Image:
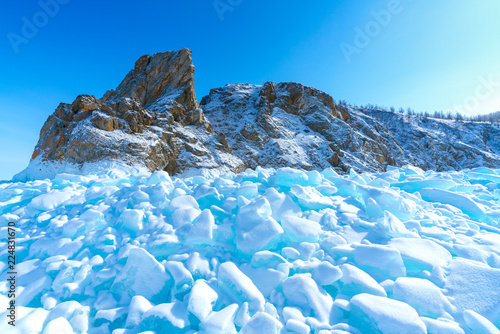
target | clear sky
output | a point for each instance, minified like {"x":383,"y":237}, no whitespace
{"x":428,"y":55}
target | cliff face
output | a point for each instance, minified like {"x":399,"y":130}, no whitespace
{"x":163,"y":82}
{"x":153,"y":121}
{"x":288,"y":124}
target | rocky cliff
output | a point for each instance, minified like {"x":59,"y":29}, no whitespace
{"x":153,"y":121}
{"x":288,"y":124}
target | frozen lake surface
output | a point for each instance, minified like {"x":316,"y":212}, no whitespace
{"x":265,"y":251}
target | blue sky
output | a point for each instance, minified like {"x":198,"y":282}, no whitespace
{"x":420,"y":53}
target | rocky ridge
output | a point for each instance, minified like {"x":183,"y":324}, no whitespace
{"x":153,"y":121}
{"x":288,"y":124}
{"x":441,"y":145}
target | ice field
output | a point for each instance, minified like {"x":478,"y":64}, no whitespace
{"x":265,"y":251}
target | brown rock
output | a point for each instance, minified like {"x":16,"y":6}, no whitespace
{"x":85,"y":103}
{"x":161,"y":75}
{"x":104,"y":122}
{"x":147,"y":114}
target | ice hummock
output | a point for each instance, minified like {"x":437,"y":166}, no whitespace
{"x":263,"y":251}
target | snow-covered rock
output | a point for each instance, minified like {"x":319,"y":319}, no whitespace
{"x":153,"y":122}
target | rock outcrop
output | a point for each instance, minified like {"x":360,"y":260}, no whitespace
{"x":288,"y":124}
{"x":163,"y":82}
{"x":153,"y":121}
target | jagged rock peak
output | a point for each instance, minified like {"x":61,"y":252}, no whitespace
{"x":151,"y":120}
{"x":166,"y":78}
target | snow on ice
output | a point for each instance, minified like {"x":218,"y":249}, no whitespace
{"x":263,"y":251}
